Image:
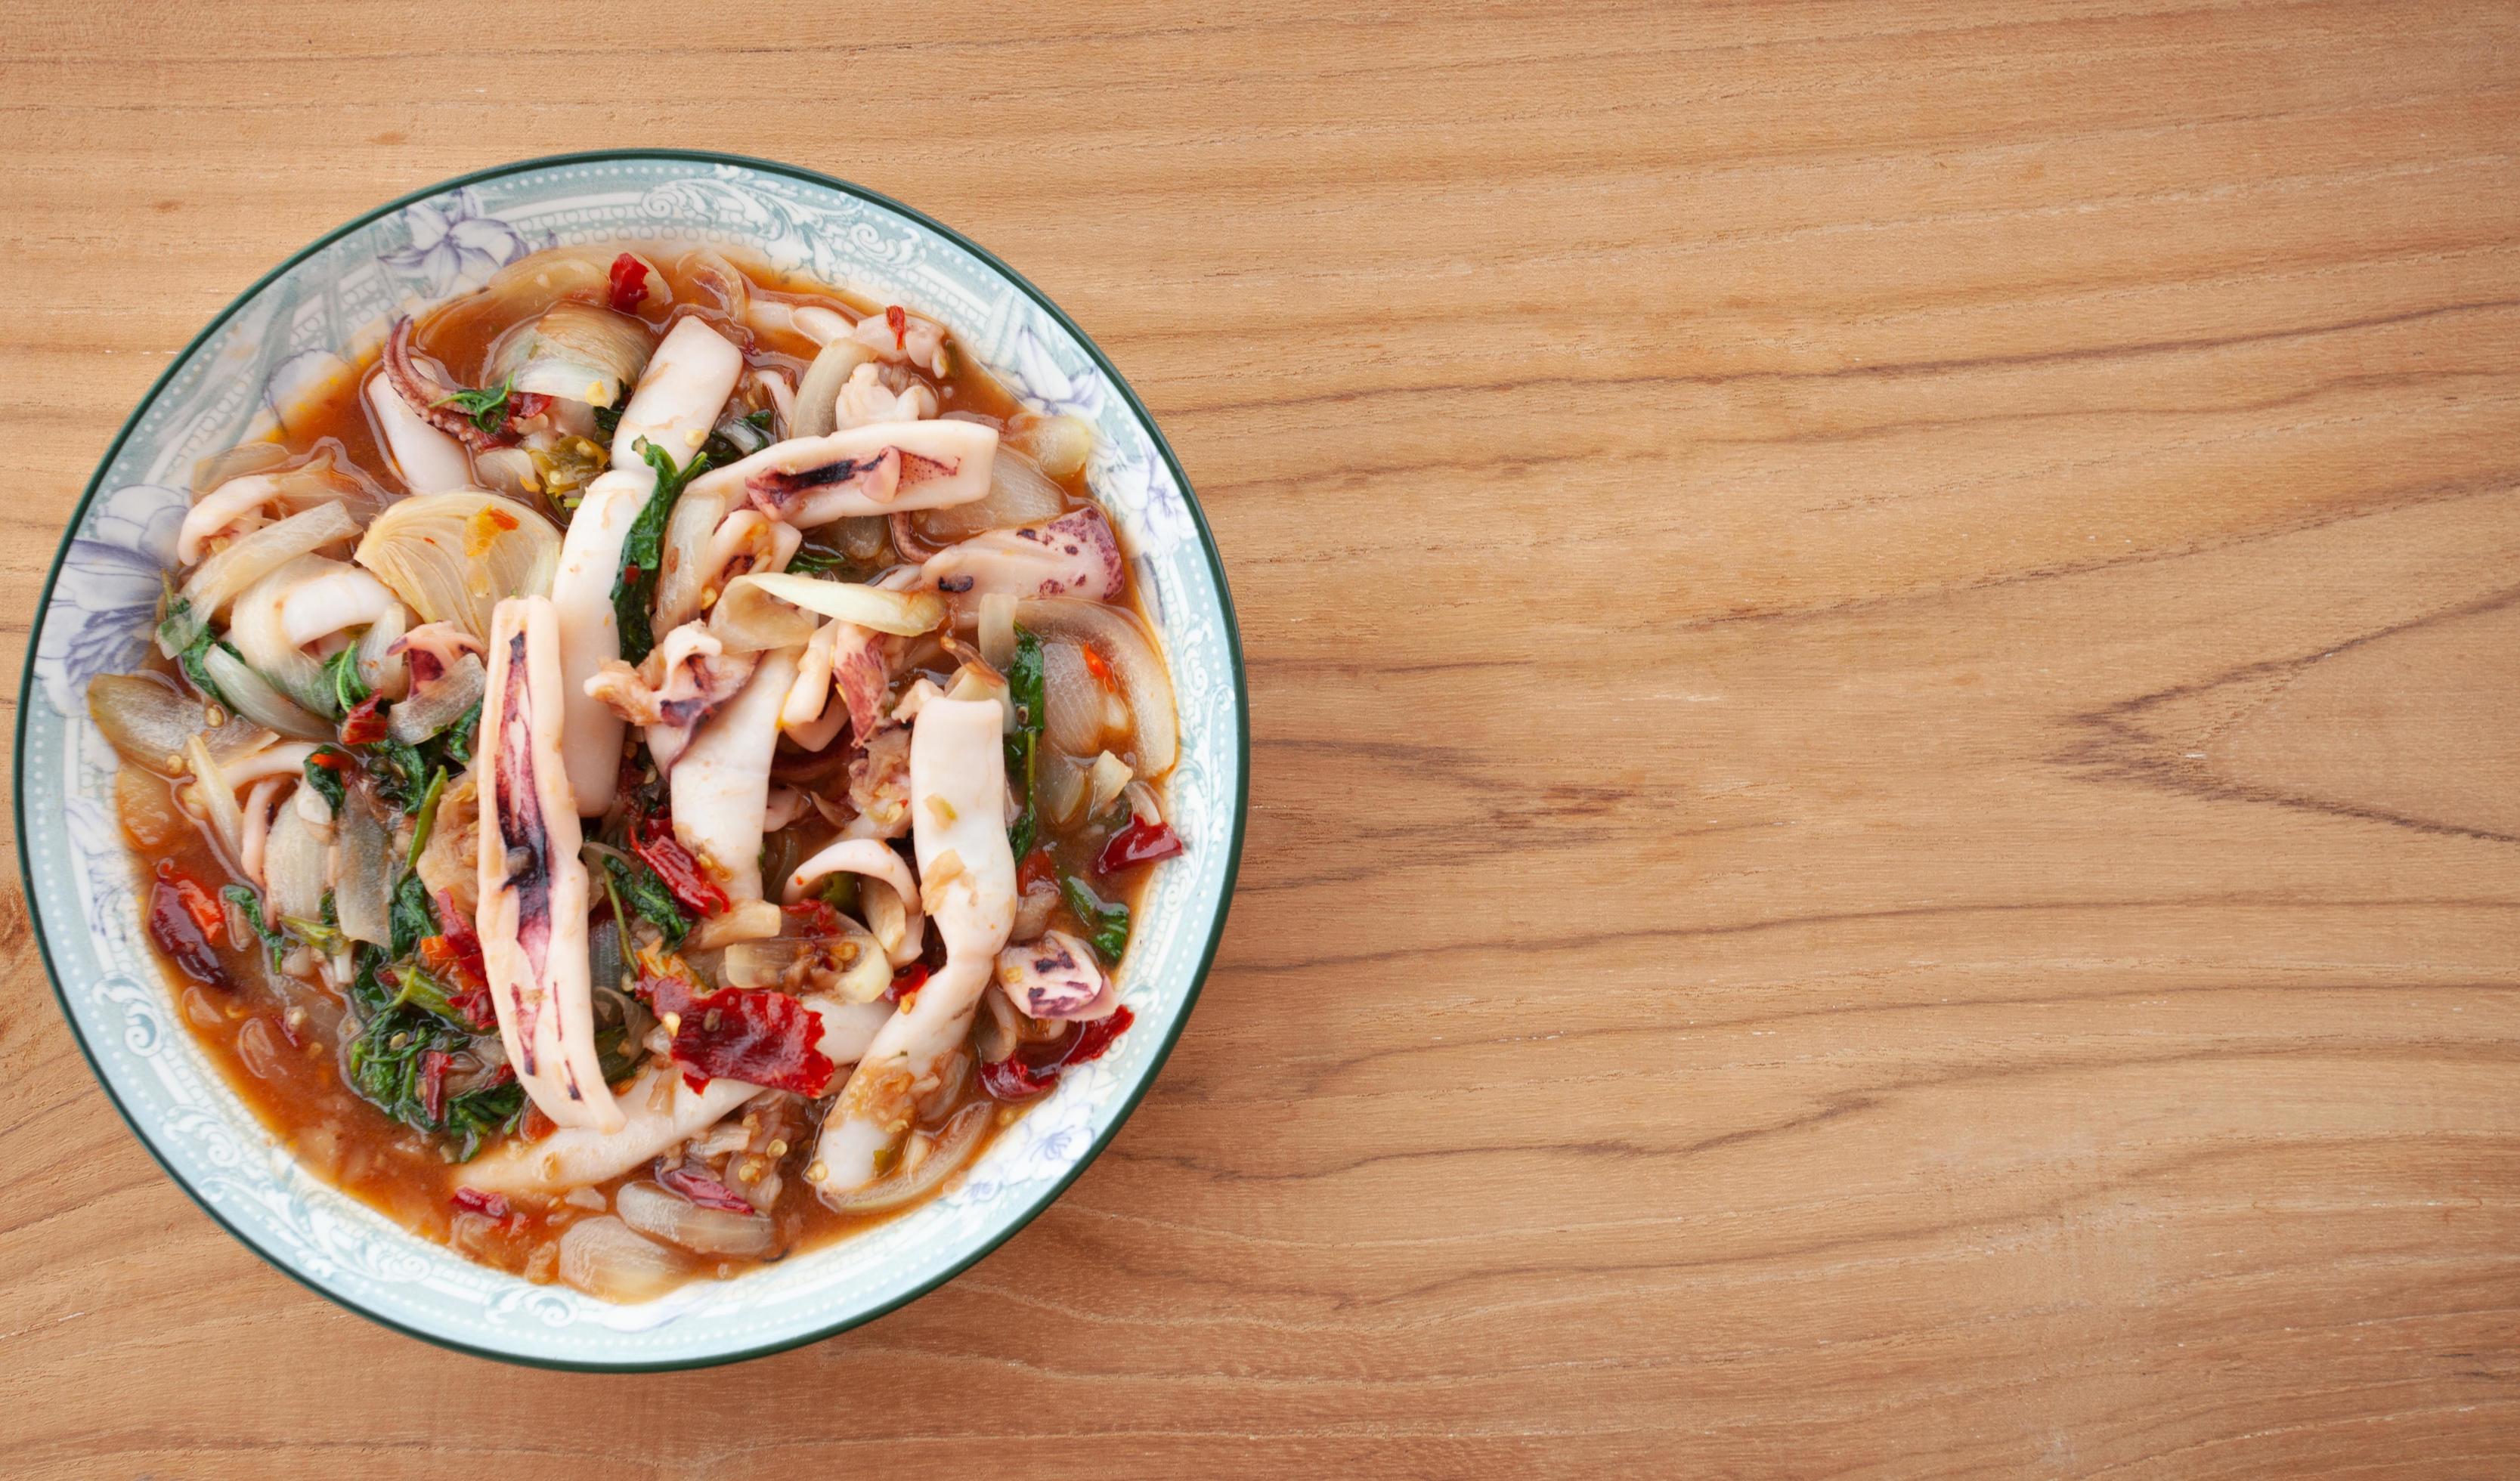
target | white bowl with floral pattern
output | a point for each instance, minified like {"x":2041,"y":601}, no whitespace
{"x":333,"y":301}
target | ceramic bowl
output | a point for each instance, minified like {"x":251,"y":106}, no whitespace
{"x":331,"y":304}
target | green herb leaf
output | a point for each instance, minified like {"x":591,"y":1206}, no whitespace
{"x":642,"y":550}
{"x":322,"y":935}
{"x":426,"y":822}
{"x":809,"y":562}
{"x":839,"y":891}
{"x":249,"y":905}
{"x":1106,"y":923}
{"x":1023,"y":742}
{"x":327,"y":781}
{"x":342,"y":681}
{"x":487,"y":407}
{"x":646,"y":894}
{"x":413,"y":917}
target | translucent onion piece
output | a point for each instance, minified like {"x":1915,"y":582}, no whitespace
{"x":453,"y":557}
{"x":505,"y":470}
{"x":440,"y":705}
{"x":217,"y":796}
{"x":220,"y":580}
{"x":237,"y":462}
{"x":751,"y":603}
{"x":148,"y":721}
{"x":1111,"y":777}
{"x":294,"y":865}
{"x":998,"y":630}
{"x":528,"y":285}
{"x":607,"y":1260}
{"x":259,"y":632}
{"x":575,"y":352}
{"x":364,"y":893}
{"x":257,"y":701}
{"x":719,"y":282}
{"x":1060,"y":445}
{"x":954,"y":1148}
{"x":1062,"y":781}
{"x":1131,"y":652}
{"x":818,"y":395}
{"x":684,"y":575}
{"x":863,"y":978}
{"x":1019,"y":494}
{"x":651,"y":1210}
{"x":1072,"y":700}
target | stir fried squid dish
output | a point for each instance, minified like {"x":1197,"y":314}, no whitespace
{"x":652,"y":772}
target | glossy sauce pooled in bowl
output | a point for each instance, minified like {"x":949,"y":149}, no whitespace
{"x":651,"y":772}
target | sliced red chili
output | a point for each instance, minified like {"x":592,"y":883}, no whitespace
{"x":629,"y":284}
{"x":812,"y":917}
{"x":1013,"y":1078}
{"x":475,"y":1202}
{"x":897,"y":319}
{"x":754,"y":1035}
{"x":433,"y":1082}
{"x":1038,"y":868}
{"x":364,"y":725}
{"x":908,"y":980}
{"x":178,"y":932}
{"x":199,"y":903}
{"x":1141,"y":842}
{"x":698,"y":1187}
{"x":688,"y":883}
{"x":1099,"y":667}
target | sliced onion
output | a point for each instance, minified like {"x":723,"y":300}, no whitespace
{"x":575,"y":352}
{"x":752,"y":606}
{"x":148,"y":720}
{"x":235,"y":462}
{"x":220,"y":580}
{"x":998,"y":630}
{"x":217,"y":796}
{"x":1019,"y":494}
{"x":1111,"y":777}
{"x":257,"y":700}
{"x":506,"y":471}
{"x":1131,"y":652}
{"x":718,"y":279}
{"x":685,"y":573}
{"x":818,"y":395}
{"x":295,"y":864}
{"x":1072,"y":700}
{"x":607,"y":1260}
{"x":651,"y":1210}
{"x":1060,"y":445}
{"x":260,"y":633}
{"x":363,"y":895}
{"x":1062,"y":781}
{"x":953,"y":1149}
{"x":439,"y":704}
{"x":765,"y":962}
{"x":453,"y":557}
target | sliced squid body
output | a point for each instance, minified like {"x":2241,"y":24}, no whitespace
{"x":217,"y":510}
{"x":590,"y":635}
{"x":533,"y":889}
{"x":429,"y":461}
{"x":660,"y":1112}
{"x":686,"y":383}
{"x":1075,"y":554}
{"x":878,"y":469}
{"x":721,"y":784}
{"x":958,"y":801}
{"x":898,"y":921}
{"x":673,"y":690}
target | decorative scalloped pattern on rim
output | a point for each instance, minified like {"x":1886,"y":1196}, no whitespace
{"x":320,"y":311}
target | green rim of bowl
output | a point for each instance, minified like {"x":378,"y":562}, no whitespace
{"x":26,"y":699}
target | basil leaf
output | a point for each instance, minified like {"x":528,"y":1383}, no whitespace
{"x":327,"y":781}
{"x":487,"y":407}
{"x":1023,"y":744}
{"x":249,"y":905}
{"x":1106,"y":923}
{"x":647,"y":896}
{"x":642,"y":550}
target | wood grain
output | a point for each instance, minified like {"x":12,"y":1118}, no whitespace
{"x":1882,"y":642}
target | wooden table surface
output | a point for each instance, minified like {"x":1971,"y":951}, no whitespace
{"x":1885,"y":827}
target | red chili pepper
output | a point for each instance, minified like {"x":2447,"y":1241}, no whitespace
{"x":1141,"y":842}
{"x":365,"y":724}
{"x":1038,"y":868}
{"x":331,"y":760}
{"x":754,"y":1035}
{"x":813,"y":918}
{"x":1011,"y":1079}
{"x":629,"y":284}
{"x":199,"y":903}
{"x":700,"y":1189}
{"x":433,"y":1082}
{"x":898,"y":321}
{"x":908,"y":980}
{"x":1096,"y":665}
{"x":537,"y":1124}
{"x":177,"y":929}
{"x":475,"y":1202}
{"x":654,"y":844}
{"x":472,"y":997}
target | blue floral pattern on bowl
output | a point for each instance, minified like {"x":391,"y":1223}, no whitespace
{"x":310,"y":321}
